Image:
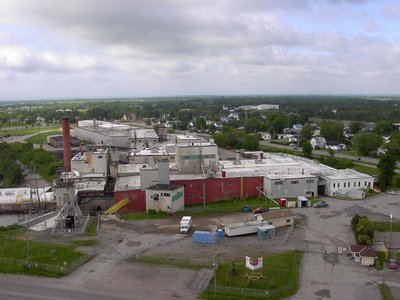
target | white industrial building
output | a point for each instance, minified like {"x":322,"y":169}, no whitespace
{"x":290,"y":185}
{"x":115,"y":135}
{"x":197,"y":158}
{"x":346,"y":183}
{"x":164,"y":197}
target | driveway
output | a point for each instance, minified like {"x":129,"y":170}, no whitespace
{"x":325,"y":273}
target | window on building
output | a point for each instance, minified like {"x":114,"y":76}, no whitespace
{"x":100,"y":156}
{"x":166,"y":194}
{"x":278,"y":183}
{"x":348,"y":184}
{"x":334,"y":185}
{"x":310,"y":181}
{"x":344,"y":184}
{"x":338,"y":185}
{"x":359,"y":183}
{"x":354,"y":183}
{"x":294,"y":182}
{"x":287,"y":220}
{"x":365,"y":184}
{"x":156,"y":197}
{"x":186,"y":157}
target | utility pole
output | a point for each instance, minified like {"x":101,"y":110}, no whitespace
{"x":390,"y":234}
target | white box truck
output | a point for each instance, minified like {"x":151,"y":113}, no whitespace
{"x":186,"y":222}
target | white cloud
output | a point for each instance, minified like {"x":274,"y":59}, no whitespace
{"x":197,"y":47}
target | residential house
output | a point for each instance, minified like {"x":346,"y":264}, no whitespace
{"x":297,"y":128}
{"x":364,"y":254}
{"x":336,"y":146}
{"x":266,"y":136}
{"x":318,"y":142}
{"x":129,"y":116}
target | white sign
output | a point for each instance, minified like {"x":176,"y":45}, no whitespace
{"x":254,"y":263}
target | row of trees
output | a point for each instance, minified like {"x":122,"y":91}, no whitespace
{"x":15,"y":156}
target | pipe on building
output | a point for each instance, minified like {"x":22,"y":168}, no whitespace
{"x":67,"y":144}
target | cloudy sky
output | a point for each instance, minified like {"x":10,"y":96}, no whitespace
{"x":52,"y":49}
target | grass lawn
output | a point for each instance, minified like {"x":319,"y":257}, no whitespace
{"x":42,"y":137}
{"x":385,"y":226}
{"x":281,"y":279}
{"x":91,"y":229}
{"x":141,"y":216}
{"x":24,"y":131}
{"x":180,"y":262}
{"x":86,"y":243}
{"x":227,"y":206}
{"x":386,"y":293}
{"x":44,"y":259}
{"x":366,"y":169}
{"x":381,"y":260}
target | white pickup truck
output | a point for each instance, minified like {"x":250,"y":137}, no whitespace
{"x":186,"y":222}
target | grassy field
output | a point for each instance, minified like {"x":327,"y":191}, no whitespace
{"x":280,"y":272}
{"x":43,"y":259}
{"x":385,"y":226}
{"x":141,"y":216}
{"x":42,"y":137}
{"x":25,"y":131}
{"x":180,"y":262}
{"x":366,"y":169}
{"x":91,"y":229}
{"x":386,"y":293}
{"x":227,"y":206}
{"x":381,"y":259}
{"x":86,"y":243}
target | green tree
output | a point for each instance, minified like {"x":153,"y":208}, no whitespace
{"x":251,"y":142}
{"x":393,"y":146}
{"x":355,"y":127}
{"x":365,"y":143}
{"x":278,"y":124}
{"x":306,"y":133}
{"x":307,"y":149}
{"x":383,"y":128}
{"x":252,"y":125}
{"x":200,"y":124}
{"x":386,"y":167}
{"x":332,"y":131}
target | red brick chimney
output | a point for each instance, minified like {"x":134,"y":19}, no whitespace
{"x":67,"y":144}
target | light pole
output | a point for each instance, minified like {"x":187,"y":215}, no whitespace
{"x":390,"y":234}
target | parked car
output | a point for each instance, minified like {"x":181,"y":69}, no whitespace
{"x":321,"y":204}
{"x":391,"y":192}
{"x":260,"y":210}
{"x":392,"y":264}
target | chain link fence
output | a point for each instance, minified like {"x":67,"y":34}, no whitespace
{"x":20,"y":265}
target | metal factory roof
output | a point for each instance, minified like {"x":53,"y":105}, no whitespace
{"x":206,"y":144}
{"x":274,"y":164}
{"x":127,"y":183}
{"x":90,"y":185}
{"x":346,"y":174}
{"x":131,"y":168}
{"x":289,"y":176}
{"x":145,"y":133}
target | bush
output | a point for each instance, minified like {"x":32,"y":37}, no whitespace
{"x":363,"y":230}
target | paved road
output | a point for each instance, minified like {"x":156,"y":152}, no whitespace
{"x":32,"y":288}
{"x":360,"y":159}
{"x":324,"y":272}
